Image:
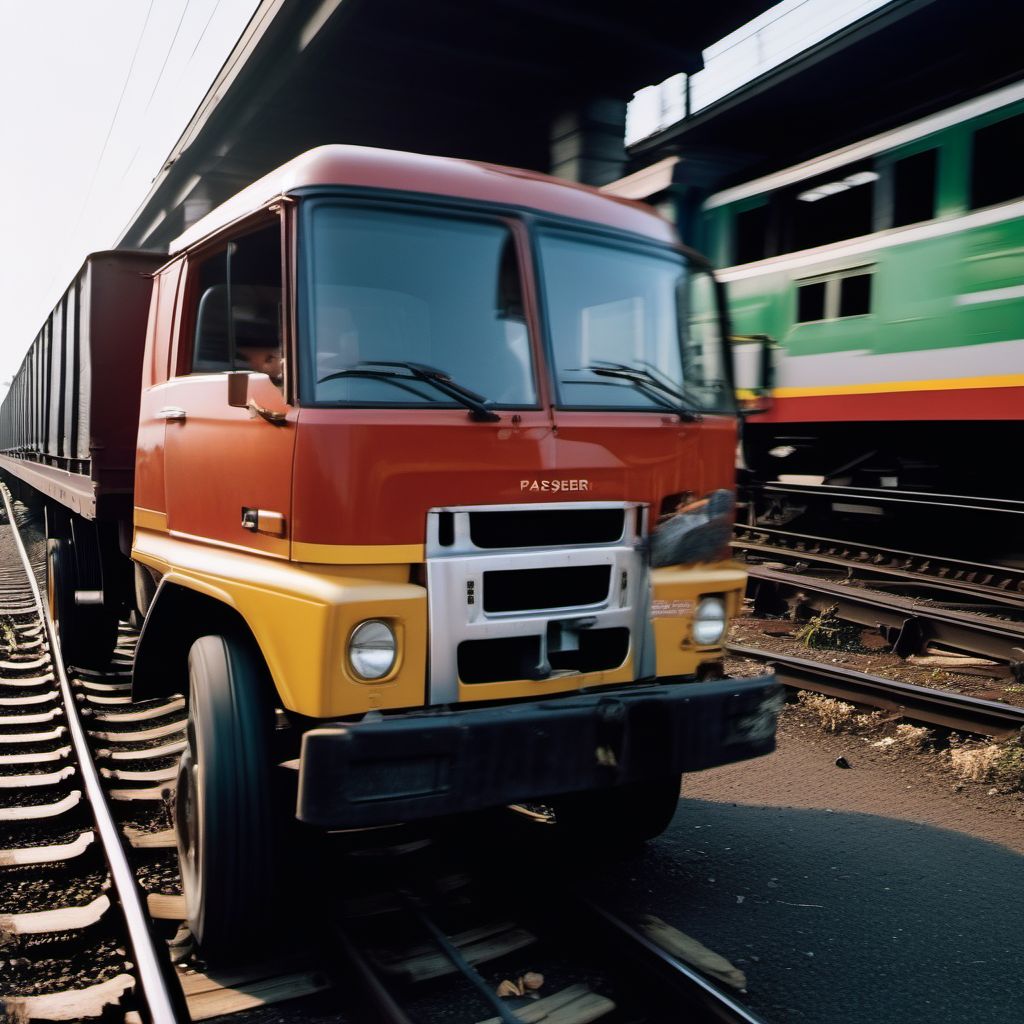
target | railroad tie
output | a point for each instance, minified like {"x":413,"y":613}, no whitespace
{"x":51,"y":922}
{"x":37,"y":780}
{"x":71,"y":1004}
{"x":28,"y":699}
{"x":36,"y":756}
{"x":150,"y":793}
{"x":36,"y":718}
{"x":146,"y":754}
{"x":97,"y":687}
{"x":24,"y":664}
{"x":141,"y":715}
{"x":231,"y":993}
{"x":151,"y":775}
{"x":15,"y":739}
{"x":140,"y":735}
{"x":51,"y":854}
{"x":28,"y":681}
{"x":73,"y":799}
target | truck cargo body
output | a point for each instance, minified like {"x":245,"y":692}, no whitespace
{"x":69,"y":422}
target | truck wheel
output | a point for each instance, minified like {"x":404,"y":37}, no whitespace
{"x":87,"y":633}
{"x":620,"y":818}
{"x":223,"y":812}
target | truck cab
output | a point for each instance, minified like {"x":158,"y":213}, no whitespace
{"x":432,"y":505}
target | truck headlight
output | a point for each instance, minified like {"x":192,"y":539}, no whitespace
{"x":372,"y":649}
{"x":708,"y":622}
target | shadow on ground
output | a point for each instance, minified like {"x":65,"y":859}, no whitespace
{"x":839,"y":917}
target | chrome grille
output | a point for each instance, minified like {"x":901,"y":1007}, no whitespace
{"x":534,"y":591}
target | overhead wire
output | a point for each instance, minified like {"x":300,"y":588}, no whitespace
{"x":113,"y":120}
{"x":156,"y":84}
{"x":205,"y":27}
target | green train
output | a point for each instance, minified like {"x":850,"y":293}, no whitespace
{"x":889,"y":276}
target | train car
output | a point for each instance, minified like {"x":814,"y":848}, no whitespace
{"x":889,"y":276}
{"x":431,"y":507}
{"x":67,"y":437}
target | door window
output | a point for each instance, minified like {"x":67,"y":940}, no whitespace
{"x":238,"y":314}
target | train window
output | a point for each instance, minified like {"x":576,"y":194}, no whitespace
{"x":913,"y":188}
{"x":839,"y":295}
{"x":238,"y":307}
{"x":810,"y":302}
{"x":836,"y":206}
{"x":995,"y":176}
{"x":855,"y":295}
{"x":751,"y":235}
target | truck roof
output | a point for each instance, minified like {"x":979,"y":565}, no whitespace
{"x":390,"y":170}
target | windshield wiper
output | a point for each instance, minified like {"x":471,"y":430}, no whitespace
{"x":657,"y":389}
{"x":429,"y":375}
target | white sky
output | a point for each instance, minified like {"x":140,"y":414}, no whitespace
{"x":95,"y":94}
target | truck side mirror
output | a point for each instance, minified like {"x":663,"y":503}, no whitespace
{"x":238,"y":388}
{"x":754,"y":358}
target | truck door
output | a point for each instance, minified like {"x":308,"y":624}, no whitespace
{"x":228,"y":469}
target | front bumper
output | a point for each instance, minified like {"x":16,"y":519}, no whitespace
{"x":432,"y":763}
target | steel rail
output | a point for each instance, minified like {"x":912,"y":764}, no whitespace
{"x":833,"y":492}
{"x":691,"y":991}
{"x":160,"y":991}
{"x":921,"y":703}
{"x":821,"y":551}
{"x":915,"y":621}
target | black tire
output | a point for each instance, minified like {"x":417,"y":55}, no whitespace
{"x":224,"y":809}
{"x":618,"y":819}
{"x":88,"y":633}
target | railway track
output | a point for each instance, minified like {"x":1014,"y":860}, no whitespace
{"x":867,"y":500}
{"x":77,"y":936}
{"x":514,"y":922}
{"x":918,"y":703}
{"x":954,"y":527}
{"x":916,"y":600}
{"x":996,"y":583}
{"x":910,"y":621}
{"x":85,"y":781}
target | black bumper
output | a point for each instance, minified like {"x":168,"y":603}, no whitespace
{"x":427,"y":764}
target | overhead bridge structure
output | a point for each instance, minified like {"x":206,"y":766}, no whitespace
{"x":541,"y":84}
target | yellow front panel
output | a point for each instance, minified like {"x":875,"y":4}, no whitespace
{"x":676,"y":591}
{"x":302,"y":615}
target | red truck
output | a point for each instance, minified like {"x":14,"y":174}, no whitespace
{"x":418,"y":476}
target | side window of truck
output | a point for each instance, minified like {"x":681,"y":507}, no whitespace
{"x":237,"y":307}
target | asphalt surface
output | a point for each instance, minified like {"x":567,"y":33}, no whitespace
{"x":880,"y":893}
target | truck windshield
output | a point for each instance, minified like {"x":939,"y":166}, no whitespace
{"x":388,"y":288}
{"x":631,"y":327}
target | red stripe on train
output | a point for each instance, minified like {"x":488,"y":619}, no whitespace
{"x":951,"y":404}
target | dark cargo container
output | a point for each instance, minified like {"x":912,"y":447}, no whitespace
{"x":69,"y":425}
